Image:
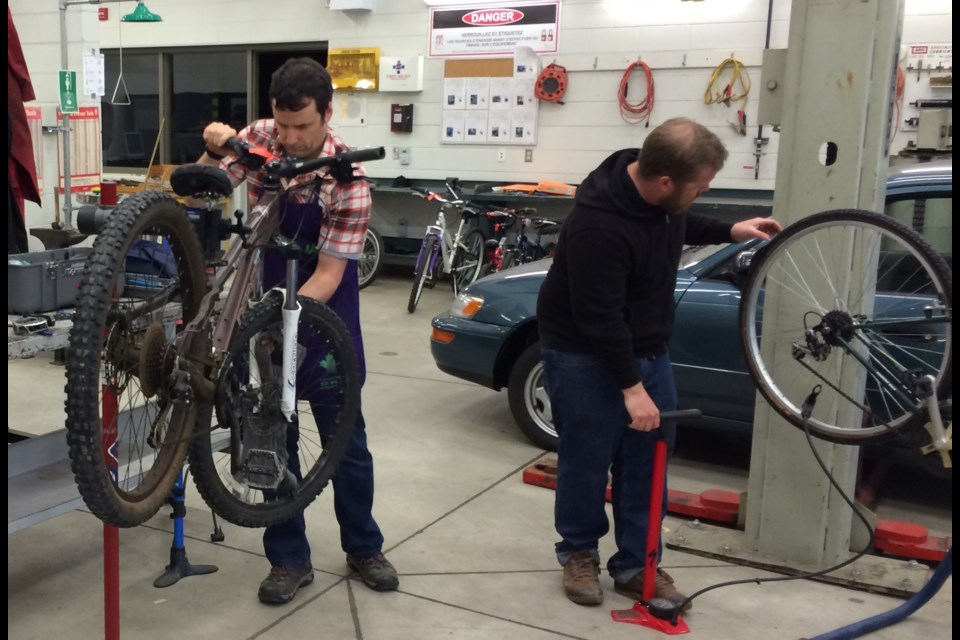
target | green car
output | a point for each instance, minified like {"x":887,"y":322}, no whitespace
{"x":490,"y":335}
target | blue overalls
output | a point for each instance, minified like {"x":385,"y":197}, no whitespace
{"x":286,"y":544}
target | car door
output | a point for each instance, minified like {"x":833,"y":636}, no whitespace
{"x":705,"y":347}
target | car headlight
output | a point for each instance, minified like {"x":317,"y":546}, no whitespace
{"x":466,"y":306}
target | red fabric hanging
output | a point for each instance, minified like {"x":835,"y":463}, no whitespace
{"x":23,"y":172}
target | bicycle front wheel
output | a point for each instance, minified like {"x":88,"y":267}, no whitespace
{"x":259,"y":469}
{"x":467,"y":261}
{"x":127,"y":422}
{"x":421,"y":272}
{"x":851,"y":350}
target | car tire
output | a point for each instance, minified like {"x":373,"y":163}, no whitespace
{"x":528,"y":399}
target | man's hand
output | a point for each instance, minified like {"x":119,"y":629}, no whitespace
{"x":762,"y":228}
{"x":644,"y":414}
{"x":216,"y":135}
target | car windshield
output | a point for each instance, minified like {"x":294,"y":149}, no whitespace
{"x":693,"y":254}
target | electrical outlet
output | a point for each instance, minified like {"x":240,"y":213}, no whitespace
{"x":528,"y":155}
{"x":404,"y":155}
{"x":501,"y":155}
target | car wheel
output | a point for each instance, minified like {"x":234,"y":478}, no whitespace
{"x":528,"y":399}
{"x":371,"y":261}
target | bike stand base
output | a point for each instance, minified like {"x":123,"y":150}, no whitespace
{"x":641,"y":616}
{"x":180,"y":567}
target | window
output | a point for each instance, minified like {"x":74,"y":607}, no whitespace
{"x":207,"y":87}
{"x":130,"y":109}
{"x":185,"y":90}
{"x":932,"y":218}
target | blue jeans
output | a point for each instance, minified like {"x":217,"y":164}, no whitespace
{"x":286,"y":543}
{"x":595,"y":439}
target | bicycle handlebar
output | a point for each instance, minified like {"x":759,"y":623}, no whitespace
{"x":341,"y":164}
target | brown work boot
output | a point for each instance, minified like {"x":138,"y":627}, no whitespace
{"x":581,"y":578}
{"x":282,"y":584}
{"x":662,"y":588}
{"x":375,"y":571}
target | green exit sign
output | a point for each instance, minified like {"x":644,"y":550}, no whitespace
{"x":68,"y":92}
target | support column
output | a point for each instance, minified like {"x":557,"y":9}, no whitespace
{"x":838,"y":83}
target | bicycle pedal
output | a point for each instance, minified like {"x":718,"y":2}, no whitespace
{"x":429,"y":284}
{"x":262,"y":469}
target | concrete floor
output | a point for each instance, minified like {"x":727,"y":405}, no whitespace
{"x":472,"y":542}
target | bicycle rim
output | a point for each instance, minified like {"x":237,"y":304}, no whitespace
{"x":371,"y":259}
{"x":126,"y":428}
{"x":232,"y":467}
{"x":468,"y":262}
{"x":833,"y":333}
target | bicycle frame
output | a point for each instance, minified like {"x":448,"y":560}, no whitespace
{"x":241,"y":263}
{"x":446,"y":244}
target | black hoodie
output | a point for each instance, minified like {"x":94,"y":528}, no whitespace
{"x":610,"y":289}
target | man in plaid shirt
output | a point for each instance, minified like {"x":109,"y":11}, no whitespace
{"x":332,"y":218}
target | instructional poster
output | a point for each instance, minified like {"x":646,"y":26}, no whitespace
{"x":490,"y":101}
{"x":85,"y":149}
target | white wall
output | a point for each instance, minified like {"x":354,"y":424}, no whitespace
{"x":682,"y":41}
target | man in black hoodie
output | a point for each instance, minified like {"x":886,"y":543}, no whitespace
{"x":606,"y":313}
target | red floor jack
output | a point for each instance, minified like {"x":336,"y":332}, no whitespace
{"x":656,"y":613}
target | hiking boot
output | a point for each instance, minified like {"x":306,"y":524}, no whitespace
{"x":581,"y":578}
{"x":375,"y":571}
{"x":662,"y":588}
{"x":281,"y":585}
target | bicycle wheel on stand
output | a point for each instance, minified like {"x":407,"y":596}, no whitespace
{"x":421,"y":272}
{"x":245,"y":477}
{"x":892,"y":327}
{"x":467,"y":261}
{"x":128,"y":423}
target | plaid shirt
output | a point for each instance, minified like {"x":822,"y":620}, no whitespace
{"x":346,"y":206}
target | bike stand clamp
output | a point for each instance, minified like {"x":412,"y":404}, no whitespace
{"x":179,"y":566}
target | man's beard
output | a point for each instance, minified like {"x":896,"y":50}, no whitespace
{"x":672,"y":203}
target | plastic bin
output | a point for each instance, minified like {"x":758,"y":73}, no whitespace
{"x":45,"y":280}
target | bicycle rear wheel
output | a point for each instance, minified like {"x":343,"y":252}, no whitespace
{"x":467,"y":261}
{"x":241,"y":470}
{"x":421,"y":272}
{"x":371,"y":261}
{"x":127,"y":420}
{"x":889,"y":328}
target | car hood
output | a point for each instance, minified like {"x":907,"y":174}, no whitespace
{"x":510,"y":296}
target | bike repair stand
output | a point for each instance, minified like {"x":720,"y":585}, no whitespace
{"x":179,"y":566}
{"x":656,"y":613}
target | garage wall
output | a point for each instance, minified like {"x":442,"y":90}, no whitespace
{"x":682,"y":41}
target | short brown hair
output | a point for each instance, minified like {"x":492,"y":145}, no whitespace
{"x":680,"y":148}
{"x":297,"y":81}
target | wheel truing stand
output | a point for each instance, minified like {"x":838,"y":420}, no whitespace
{"x":656,"y":613}
{"x":179,"y":566}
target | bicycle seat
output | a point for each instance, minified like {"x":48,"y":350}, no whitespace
{"x":469,"y":212}
{"x":199,"y":180}
{"x":543,"y":224}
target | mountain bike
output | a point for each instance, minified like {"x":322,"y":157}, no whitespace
{"x":857,"y":357}
{"x":504,"y":251}
{"x":149,"y":364}
{"x":443,"y":251}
